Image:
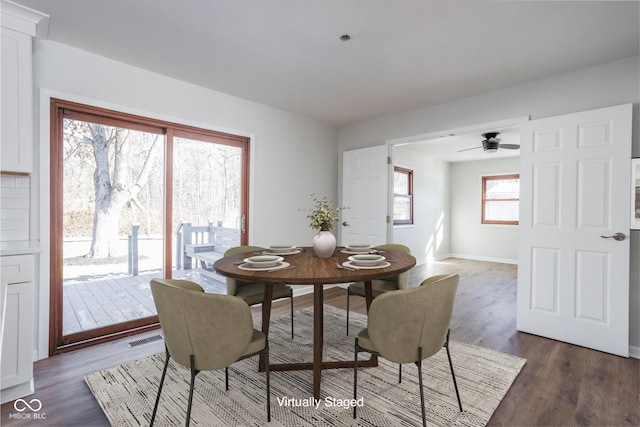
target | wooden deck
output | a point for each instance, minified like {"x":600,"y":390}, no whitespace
{"x":96,"y":303}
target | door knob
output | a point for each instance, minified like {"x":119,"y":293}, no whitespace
{"x":618,"y":236}
{"x":345,"y":223}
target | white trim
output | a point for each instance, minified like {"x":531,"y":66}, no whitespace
{"x":420,"y":262}
{"x":471,"y":257}
{"x":308,"y":289}
{"x":17,"y":391}
{"x":634,"y":352}
{"x":47,"y":94}
{"x":41,"y":173}
{"x":635,"y":183}
{"x":23,"y":19}
{"x":302,"y":290}
{"x":507,"y":123}
{"x":404,"y":226}
{"x":488,"y":259}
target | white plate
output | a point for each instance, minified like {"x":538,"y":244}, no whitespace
{"x":366,"y":260}
{"x":262,"y":261}
{"x":276,"y":267}
{"x":358,"y":248}
{"x":347,"y":251}
{"x":278,"y":249}
{"x":292,"y":252}
{"x":383,"y":264}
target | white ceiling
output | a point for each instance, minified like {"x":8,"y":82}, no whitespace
{"x":404,"y":54}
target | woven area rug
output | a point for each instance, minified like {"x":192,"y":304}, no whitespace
{"x":127,"y":392}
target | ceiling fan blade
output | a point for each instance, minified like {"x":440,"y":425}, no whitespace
{"x":510,"y":146}
{"x":467,"y":149}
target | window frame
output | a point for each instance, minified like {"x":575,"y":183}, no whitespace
{"x":484,"y":201}
{"x":409,"y":195}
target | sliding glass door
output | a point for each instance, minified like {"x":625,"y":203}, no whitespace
{"x":134,"y":199}
{"x":112,"y":204}
{"x":207,"y":205}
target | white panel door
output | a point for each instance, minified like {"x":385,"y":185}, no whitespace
{"x":573,"y":280}
{"x":365,"y":184}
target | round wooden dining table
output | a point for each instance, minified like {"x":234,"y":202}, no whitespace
{"x":305,"y":268}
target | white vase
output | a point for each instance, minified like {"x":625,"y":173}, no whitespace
{"x":324,"y":243}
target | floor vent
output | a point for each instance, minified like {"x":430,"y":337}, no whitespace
{"x":145,"y":341}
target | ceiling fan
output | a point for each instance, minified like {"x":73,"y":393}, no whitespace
{"x":490,"y":144}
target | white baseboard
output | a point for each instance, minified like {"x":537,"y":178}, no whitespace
{"x":302,"y":290}
{"x":634,"y":352}
{"x":17,"y":391}
{"x":308,"y":289}
{"x":471,"y":257}
{"x":480,"y":258}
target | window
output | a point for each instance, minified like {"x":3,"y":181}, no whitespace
{"x":402,"y":196}
{"x":500,"y":199}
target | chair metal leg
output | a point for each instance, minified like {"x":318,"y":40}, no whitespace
{"x":348,"y":293}
{"x":194,"y":372}
{"x":164,"y":373}
{"x":419,"y":365}
{"x":400,"y":373}
{"x":226,"y":378}
{"x":266,"y":370}
{"x":453,"y":375}
{"x":355,"y":374}
{"x":291,"y":298}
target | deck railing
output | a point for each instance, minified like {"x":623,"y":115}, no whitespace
{"x":202,"y":243}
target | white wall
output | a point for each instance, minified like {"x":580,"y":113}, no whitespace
{"x":291,"y":156}
{"x":605,"y":85}
{"x":428,"y":237}
{"x":470,"y":238}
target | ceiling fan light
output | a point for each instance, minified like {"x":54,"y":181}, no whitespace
{"x":490,"y":146}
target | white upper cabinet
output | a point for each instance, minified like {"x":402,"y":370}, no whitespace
{"x":16,"y":125}
{"x":17,"y":109}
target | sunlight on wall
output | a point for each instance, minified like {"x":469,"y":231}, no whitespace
{"x":429,"y":249}
{"x":439,"y":230}
{"x":435,"y":239}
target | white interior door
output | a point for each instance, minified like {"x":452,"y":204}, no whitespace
{"x":573,"y":284}
{"x":365,"y":184}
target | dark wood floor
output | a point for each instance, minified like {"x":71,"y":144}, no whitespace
{"x":561,"y":384}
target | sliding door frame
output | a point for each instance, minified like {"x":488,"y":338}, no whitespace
{"x":59,"y":109}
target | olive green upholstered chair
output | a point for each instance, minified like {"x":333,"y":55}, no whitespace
{"x":380,"y":286}
{"x":253,"y":293}
{"x":410,"y":325}
{"x":205,"y":332}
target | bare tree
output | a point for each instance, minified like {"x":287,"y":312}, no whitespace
{"x":116,"y":181}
